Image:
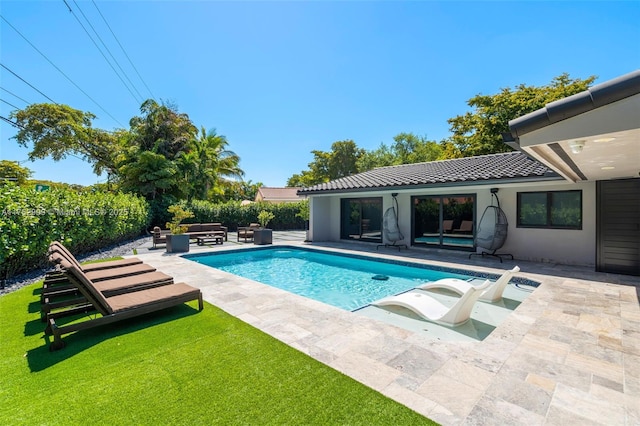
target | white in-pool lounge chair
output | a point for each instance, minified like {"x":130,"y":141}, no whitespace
{"x":432,"y":310}
{"x":491,"y":294}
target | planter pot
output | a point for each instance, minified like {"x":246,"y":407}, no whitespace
{"x":262,"y":236}
{"x":177,"y":243}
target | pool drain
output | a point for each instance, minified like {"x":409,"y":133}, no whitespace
{"x":380,"y":277}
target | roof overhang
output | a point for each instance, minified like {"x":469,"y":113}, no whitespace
{"x":441,"y":185}
{"x":593,"y":135}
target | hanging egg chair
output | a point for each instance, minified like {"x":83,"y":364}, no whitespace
{"x":492,"y":230}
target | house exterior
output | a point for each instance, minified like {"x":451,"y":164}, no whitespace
{"x":570,"y":191}
{"x":278,"y":195}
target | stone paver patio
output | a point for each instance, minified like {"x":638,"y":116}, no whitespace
{"x":569,"y":354}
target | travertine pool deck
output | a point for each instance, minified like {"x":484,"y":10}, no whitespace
{"x":568,"y":355}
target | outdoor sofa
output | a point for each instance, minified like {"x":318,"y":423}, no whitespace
{"x":194,"y":230}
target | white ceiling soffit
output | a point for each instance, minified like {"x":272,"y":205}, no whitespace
{"x":600,"y":144}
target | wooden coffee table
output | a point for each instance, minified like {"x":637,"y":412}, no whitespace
{"x":216,"y":239}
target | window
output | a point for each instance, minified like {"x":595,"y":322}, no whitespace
{"x":444,"y":220}
{"x":552,"y":209}
{"x":361,"y":219}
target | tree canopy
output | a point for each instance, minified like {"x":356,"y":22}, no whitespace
{"x":345,"y":158}
{"x":161,"y":129}
{"x":162,"y":157}
{"x":207,"y":163}
{"x":12,"y":171}
{"x":57,"y":131}
{"x":480,"y":132}
{"x":341,"y":161}
{"x":477,"y":132}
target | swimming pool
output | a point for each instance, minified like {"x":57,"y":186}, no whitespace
{"x":346,"y":281}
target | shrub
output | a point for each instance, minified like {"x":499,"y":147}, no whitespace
{"x":264,"y":217}
{"x":232,"y":214}
{"x":83,"y":221}
{"x":179,"y":214}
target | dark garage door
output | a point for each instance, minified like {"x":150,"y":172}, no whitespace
{"x":618,"y":229}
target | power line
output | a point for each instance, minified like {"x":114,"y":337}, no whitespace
{"x":60,"y":71}
{"x":123,"y":51}
{"x":29,"y":84}
{"x":108,"y":51}
{"x":13,"y":123}
{"x":8,"y":103}
{"x":11,"y":93}
{"x":100,"y":50}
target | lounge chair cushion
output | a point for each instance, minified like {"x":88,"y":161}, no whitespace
{"x":143,"y":298}
{"x":104,"y":274}
{"x":132,"y":283}
{"x":111,"y":264}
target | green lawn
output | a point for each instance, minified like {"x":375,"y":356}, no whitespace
{"x":178,"y":366}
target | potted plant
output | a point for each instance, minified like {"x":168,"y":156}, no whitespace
{"x":177,"y":240}
{"x":263,"y":235}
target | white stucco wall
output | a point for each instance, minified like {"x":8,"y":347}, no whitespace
{"x":320,"y":218}
{"x":574,"y":247}
{"x":542,"y":245}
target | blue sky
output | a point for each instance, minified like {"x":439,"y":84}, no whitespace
{"x":280,"y":79}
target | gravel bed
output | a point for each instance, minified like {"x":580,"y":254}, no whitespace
{"x":120,"y":249}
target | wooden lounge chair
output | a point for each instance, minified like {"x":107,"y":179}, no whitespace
{"x":466,"y":226}
{"x":246,"y":232}
{"x":66,"y":296}
{"x":115,"y":308}
{"x":432,"y":310}
{"x":492,"y":294}
{"x":116,"y":285}
{"x":97,"y":273}
{"x":95,"y":266}
{"x":56,"y":282}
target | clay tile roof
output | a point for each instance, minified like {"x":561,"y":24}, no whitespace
{"x":493,"y":168}
{"x":279,"y":194}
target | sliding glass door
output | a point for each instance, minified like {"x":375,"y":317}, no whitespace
{"x":444,"y":220}
{"x":361,"y":219}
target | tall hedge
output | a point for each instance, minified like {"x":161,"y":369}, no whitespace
{"x":233,"y":214}
{"x":83,"y":221}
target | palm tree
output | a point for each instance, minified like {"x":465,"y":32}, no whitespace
{"x":209,"y":163}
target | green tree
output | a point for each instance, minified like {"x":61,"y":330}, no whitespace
{"x":343,"y":158}
{"x":161,"y":129}
{"x":225,"y":167}
{"x":238,"y":190}
{"x":148,"y":163}
{"x":380,"y":157}
{"x":304,"y":179}
{"x":409,"y":148}
{"x":12,"y":171}
{"x":480,"y":132}
{"x":57,"y":131}
{"x":207,"y":164}
{"x":151,"y":175}
{"x":341,"y":161}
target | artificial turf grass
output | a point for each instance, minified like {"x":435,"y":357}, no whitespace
{"x":177,"y":366}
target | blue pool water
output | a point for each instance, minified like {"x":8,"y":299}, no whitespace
{"x":344,"y":281}
{"x":452,"y":241}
